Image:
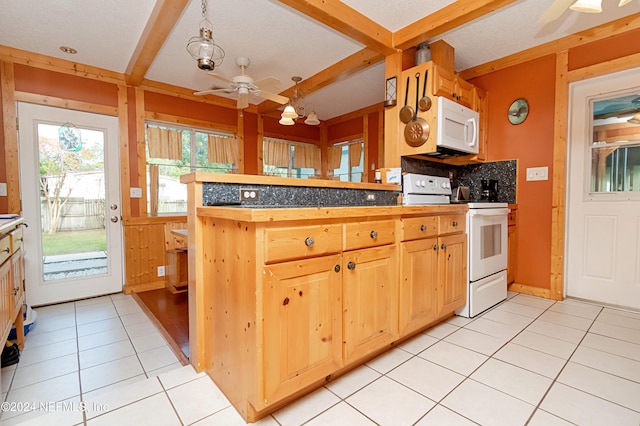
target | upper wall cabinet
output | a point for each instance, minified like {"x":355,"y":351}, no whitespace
{"x":449,"y":85}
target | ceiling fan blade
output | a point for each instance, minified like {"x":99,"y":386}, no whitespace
{"x":243,"y":100}
{"x":220,"y":77}
{"x":268,"y":81}
{"x":554,"y":11}
{"x":272,"y":97}
{"x":208,"y":92}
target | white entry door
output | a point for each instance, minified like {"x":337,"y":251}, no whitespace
{"x":603,"y":191}
{"x":70,"y":189}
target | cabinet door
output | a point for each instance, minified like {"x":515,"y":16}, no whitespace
{"x":511,"y":262}
{"x":452,"y":273}
{"x":444,"y":83}
{"x":418,"y":284}
{"x":370,"y":302}
{"x":302,"y":320}
{"x":5,"y":296}
{"x":464,"y":93}
{"x":16,"y":288}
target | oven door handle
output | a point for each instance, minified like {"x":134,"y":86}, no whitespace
{"x":489,"y":212}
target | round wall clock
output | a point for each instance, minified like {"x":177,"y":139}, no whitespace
{"x":518,"y":111}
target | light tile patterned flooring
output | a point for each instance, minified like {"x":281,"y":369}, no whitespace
{"x":527,"y":361}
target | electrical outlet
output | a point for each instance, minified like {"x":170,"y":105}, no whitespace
{"x":161,"y":271}
{"x":135,"y":192}
{"x":371,"y":196}
{"x":3,"y":189}
{"x":249,"y":194}
{"x":538,"y":173}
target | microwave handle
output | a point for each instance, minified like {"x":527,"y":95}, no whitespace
{"x":474,"y":138}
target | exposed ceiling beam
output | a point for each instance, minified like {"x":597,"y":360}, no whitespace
{"x":336,"y":72}
{"x":449,"y":17}
{"x":163,"y":18}
{"x":347,"y":21}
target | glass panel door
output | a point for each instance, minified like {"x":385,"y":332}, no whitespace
{"x":70,"y":191}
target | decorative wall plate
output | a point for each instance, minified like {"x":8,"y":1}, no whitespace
{"x":518,"y":111}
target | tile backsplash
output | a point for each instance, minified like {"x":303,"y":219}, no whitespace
{"x":471,"y":175}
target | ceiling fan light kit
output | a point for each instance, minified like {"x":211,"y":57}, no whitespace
{"x":587,"y":6}
{"x":635,"y":119}
{"x":285,"y":121}
{"x":202,"y":48}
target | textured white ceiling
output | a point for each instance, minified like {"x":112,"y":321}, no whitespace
{"x":279,"y":41}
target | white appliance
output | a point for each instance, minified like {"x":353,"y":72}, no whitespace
{"x":487,"y":257}
{"x":420,"y":190}
{"x":456,"y":128}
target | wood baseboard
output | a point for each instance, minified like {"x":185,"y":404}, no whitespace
{"x":137,"y":288}
{"x":531,"y":290}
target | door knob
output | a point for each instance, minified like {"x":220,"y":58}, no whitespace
{"x":114,"y":219}
{"x":114,"y":207}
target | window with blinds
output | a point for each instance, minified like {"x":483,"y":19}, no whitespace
{"x":290,"y":159}
{"x":174,"y":150}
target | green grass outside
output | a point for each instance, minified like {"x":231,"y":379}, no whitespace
{"x":74,"y":242}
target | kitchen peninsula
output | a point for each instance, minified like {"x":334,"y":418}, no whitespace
{"x":293,"y":282}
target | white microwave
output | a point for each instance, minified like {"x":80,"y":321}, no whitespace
{"x":457,"y":128}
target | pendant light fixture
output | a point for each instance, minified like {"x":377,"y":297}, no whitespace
{"x":295,"y":109}
{"x":208,"y":54}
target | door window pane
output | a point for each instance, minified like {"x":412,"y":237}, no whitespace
{"x":72,"y":194}
{"x":615,"y":148}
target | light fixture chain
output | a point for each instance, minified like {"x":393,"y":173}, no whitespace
{"x":204,"y":8}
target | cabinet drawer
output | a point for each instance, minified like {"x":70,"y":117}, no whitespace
{"x":419,"y":227}
{"x":368,"y":234}
{"x":452,"y":223}
{"x":301,"y":242}
{"x":16,"y":239}
{"x":5,"y":248}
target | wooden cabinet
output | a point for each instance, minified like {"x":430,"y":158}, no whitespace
{"x":418,"y":284}
{"x":433,"y":270}
{"x":370,"y":301}
{"x":452,"y":273}
{"x":513,"y":244}
{"x":482,"y":99}
{"x":11,"y":279}
{"x":449,"y":85}
{"x":302,"y":323}
{"x":283,"y":304}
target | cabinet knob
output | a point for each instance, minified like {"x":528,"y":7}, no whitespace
{"x":423,"y":228}
{"x":336,"y":268}
{"x":443,"y":246}
{"x":435,"y":247}
{"x":455,"y":223}
{"x":6,"y":250}
{"x":351,"y":266}
{"x":308,"y":241}
{"x":373,"y":234}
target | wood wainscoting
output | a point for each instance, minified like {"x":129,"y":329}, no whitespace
{"x":145,"y":251}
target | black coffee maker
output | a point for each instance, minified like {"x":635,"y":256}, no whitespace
{"x":489,"y":190}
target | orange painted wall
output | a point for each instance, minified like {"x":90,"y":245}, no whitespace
{"x":531,"y":143}
{"x":339,"y":132}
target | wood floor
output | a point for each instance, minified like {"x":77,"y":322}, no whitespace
{"x":171,"y":312}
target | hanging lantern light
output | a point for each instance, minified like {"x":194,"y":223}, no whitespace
{"x":202,"y":48}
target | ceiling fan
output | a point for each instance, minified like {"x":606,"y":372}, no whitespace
{"x":558,"y":7}
{"x":244,"y":85}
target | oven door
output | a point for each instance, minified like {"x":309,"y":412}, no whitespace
{"x":487,"y":230}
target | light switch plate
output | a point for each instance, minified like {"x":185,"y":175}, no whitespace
{"x":3,"y":189}
{"x":538,"y":173}
{"x":135,"y":192}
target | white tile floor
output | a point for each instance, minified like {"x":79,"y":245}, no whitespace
{"x":527,"y":361}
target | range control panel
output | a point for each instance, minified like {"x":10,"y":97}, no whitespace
{"x":425,"y":184}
